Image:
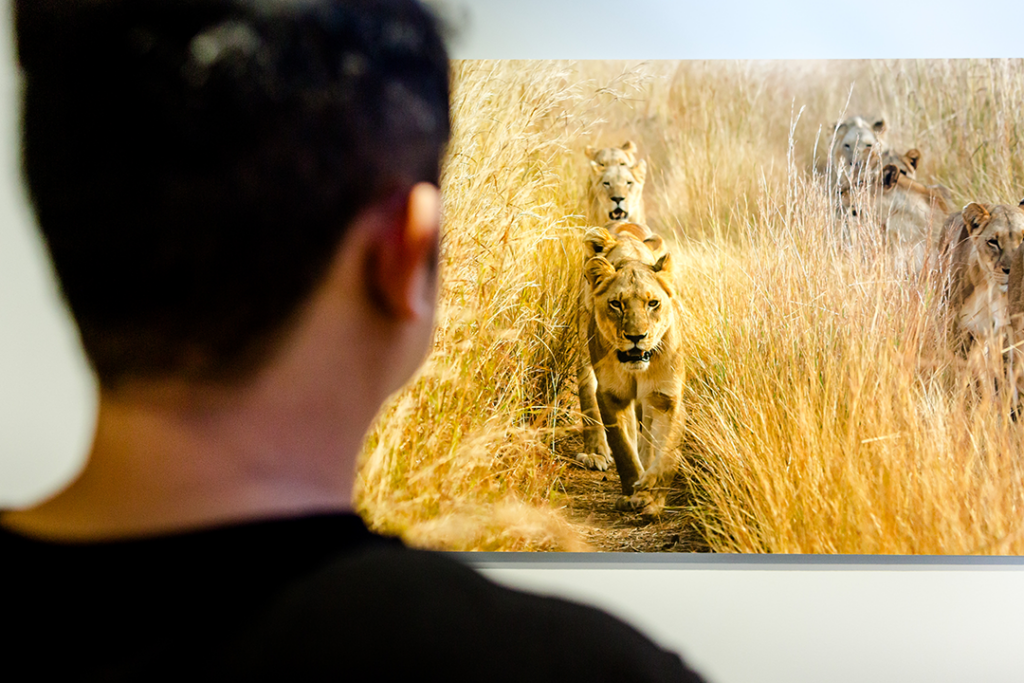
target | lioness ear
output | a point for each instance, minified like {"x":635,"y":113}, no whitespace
{"x":655,"y":244}
{"x":597,"y":168}
{"x":1021,"y":203}
{"x":840,"y":130}
{"x":640,"y":171}
{"x":975,"y":217}
{"x":629,"y":147}
{"x":590,"y":151}
{"x":597,"y":241}
{"x":912,"y":158}
{"x":664,"y":264}
{"x":878,"y":126}
{"x":664,"y":268}
{"x":890,"y":176}
{"x":598,"y":271}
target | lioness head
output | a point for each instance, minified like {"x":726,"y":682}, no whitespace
{"x":905,"y":165}
{"x":632,"y":306}
{"x":613,"y":156}
{"x":907,"y":162}
{"x":902,"y":194}
{"x":620,"y":241}
{"x":856,"y":143}
{"x":995,"y":231}
{"x":910,"y":214}
{"x":616,"y":183}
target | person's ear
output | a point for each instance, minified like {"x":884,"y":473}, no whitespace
{"x":403,"y":274}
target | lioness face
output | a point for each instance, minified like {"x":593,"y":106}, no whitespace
{"x":617,"y":182}
{"x":632,"y":307}
{"x":996,"y":232}
{"x":857,"y":143}
{"x":617,"y":190}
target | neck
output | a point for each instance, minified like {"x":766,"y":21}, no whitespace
{"x":154,"y":469}
{"x":179,"y":459}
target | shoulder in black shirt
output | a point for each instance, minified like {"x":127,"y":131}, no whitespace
{"x":314,"y":598}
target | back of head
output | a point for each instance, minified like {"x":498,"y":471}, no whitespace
{"x":194,"y":164}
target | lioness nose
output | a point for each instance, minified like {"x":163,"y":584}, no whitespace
{"x":635,"y":338}
{"x":617,"y":199}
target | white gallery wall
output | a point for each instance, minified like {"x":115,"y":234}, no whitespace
{"x":738,"y":620}
{"x":47,"y":399}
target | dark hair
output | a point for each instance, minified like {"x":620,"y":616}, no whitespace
{"x":194,"y":164}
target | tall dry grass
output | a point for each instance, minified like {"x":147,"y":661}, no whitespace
{"x":825,"y":412}
{"x":462,"y":458}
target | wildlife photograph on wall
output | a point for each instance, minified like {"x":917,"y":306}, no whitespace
{"x":721,"y":306}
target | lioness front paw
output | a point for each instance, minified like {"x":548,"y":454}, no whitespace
{"x":644,"y":503}
{"x":653,"y":508}
{"x":594,"y":461}
{"x":634,"y":503}
{"x":648,"y":497}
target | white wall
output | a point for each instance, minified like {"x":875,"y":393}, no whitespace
{"x":738,"y":619}
{"x":47,"y":398}
{"x":805,"y":621}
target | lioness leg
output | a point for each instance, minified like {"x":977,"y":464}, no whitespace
{"x":631,"y":427}
{"x":596,"y":454}
{"x":643,"y":439}
{"x":620,"y":421}
{"x":666,"y":422}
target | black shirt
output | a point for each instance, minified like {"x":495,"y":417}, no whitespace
{"x":314,"y":598}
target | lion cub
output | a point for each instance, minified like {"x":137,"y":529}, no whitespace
{"x":636,"y":353}
{"x":617,"y":242}
{"x":978,"y":246}
{"x":615,"y":191}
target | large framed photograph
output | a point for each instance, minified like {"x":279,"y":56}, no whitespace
{"x":725,"y":306}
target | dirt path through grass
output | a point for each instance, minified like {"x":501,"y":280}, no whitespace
{"x":590,"y":506}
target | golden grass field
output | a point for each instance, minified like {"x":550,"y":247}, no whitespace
{"x":825,"y":411}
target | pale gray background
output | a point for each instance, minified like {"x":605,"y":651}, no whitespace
{"x":801,"y":622}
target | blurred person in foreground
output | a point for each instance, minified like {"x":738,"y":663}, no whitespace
{"x":240,"y":198}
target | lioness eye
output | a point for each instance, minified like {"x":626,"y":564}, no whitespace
{"x":617,"y":305}
{"x":607,"y":184}
{"x":994,"y":243}
{"x":653,"y":303}
{"x":630,"y":183}
{"x":846,"y":146}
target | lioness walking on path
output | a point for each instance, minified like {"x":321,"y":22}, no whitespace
{"x":635,"y":350}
